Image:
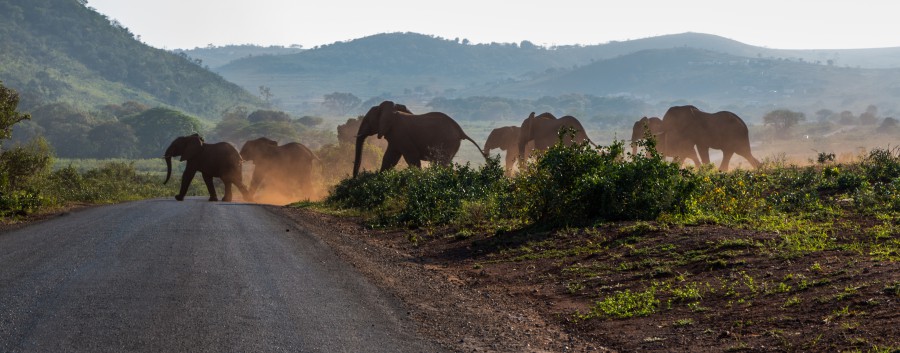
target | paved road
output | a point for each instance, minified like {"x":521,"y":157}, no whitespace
{"x":167,"y":276}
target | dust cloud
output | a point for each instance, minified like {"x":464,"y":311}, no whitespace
{"x":281,"y":189}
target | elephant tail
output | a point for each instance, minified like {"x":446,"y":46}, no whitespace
{"x":480,"y":150}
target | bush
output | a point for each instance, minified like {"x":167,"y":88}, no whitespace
{"x":576,"y":184}
{"x":419,"y":197}
{"x":22,"y":169}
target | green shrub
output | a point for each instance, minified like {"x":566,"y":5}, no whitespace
{"x":578,"y":184}
{"x":419,"y":197}
{"x":22,"y":168}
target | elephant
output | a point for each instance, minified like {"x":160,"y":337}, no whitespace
{"x":543,"y":130}
{"x":213,"y":160}
{"x":289,"y":165}
{"x":641,"y":128}
{"x":686,"y":127}
{"x":507,"y":139}
{"x":655,"y":127}
{"x":433,"y":137}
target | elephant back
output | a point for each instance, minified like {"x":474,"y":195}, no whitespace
{"x":298,"y":150}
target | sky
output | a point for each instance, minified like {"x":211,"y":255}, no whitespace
{"x":777,"y":24}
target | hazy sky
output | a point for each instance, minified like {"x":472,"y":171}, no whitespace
{"x":781,"y":24}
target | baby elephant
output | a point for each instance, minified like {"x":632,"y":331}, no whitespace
{"x":213,"y":160}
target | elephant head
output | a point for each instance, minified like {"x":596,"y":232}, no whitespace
{"x":505,"y":138}
{"x":642,"y":127}
{"x":259,"y":148}
{"x":187,"y":147}
{"x":368,"y":126}
{"x":379,"y":120}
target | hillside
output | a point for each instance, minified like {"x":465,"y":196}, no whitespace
{"x":214,"y":57}
{"x":63,"y":51}
{"x":688,"y":66}
{"x":717,"y":78}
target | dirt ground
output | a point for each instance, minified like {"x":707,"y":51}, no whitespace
{"x":522,"y":292}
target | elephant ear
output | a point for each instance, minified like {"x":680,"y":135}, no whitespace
{"x":192,"y":147}
{"x":402,"y":108}
{"x":527,"y":126}
{"x":386,"y":120}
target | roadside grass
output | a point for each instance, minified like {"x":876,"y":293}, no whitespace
{"x":82,"y":182}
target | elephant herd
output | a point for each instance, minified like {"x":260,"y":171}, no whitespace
{"x":286,"y":168}
{"x":684,"y":132}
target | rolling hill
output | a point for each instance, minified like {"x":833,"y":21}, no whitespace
{"x":722,"y":79}
{"x":687,"y":66}
{"x":64,"y":51}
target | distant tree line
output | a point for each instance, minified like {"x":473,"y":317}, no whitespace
{"x":593,"y":109}
{"x":130,"y":130}
{"x":134,"y":130}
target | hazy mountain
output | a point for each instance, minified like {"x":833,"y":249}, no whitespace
{"x":722,"y":79}
{"x":64,"y":51}
{"x":689,"y":66}
{"x":216,"y":56}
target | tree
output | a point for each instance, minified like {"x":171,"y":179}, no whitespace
{"x":266,"y":94}
{"x":783,"y":120}
{"x":20,"y":164}
{"x":233,"y":120}
{"x":66,"y":129}
{"x":341,"y":103}
{"x":310,"y":121}
{"x":260,"y":116}
{"x":847,"y":118}
{"x":114,"y":140}
{"x":9,"y":102}
{"x":156,"y":128}
{"x":870,"y":117}
{"x":889,"y":125}
{"x":824,"y":114}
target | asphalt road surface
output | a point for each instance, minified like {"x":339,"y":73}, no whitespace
{"x":168,"y":276}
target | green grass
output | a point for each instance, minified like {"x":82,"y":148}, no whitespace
{"x":625,"y":304}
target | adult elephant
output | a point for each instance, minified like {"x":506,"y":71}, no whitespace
{"x":433,"y":137}
{"x":213,"y":160}
{"x":654,"y":127}
{"x":507,"y":139}
{"x":543,"y":131}
{"x":686,"y":127}
{"x":288,"y":168}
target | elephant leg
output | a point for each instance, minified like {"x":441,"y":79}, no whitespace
{"x":412,"y":162}
{"x":704,"y":154}
{"x":510,"y":161}
{"x":210,"y":187}
{"x":749,"y":157}
{"x":239,"y":183}
{"x":390,"y":159}
{"x":726,"y":157}
{"x":753,"y":161}
{"x":185,"y":182}
{"x":303,"y":183}
{"x":227,"y":196}
{"x":256,"y":179}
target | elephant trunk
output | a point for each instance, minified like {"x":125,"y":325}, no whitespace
{"x":357,"y":160}
{"x":168,"y":168}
